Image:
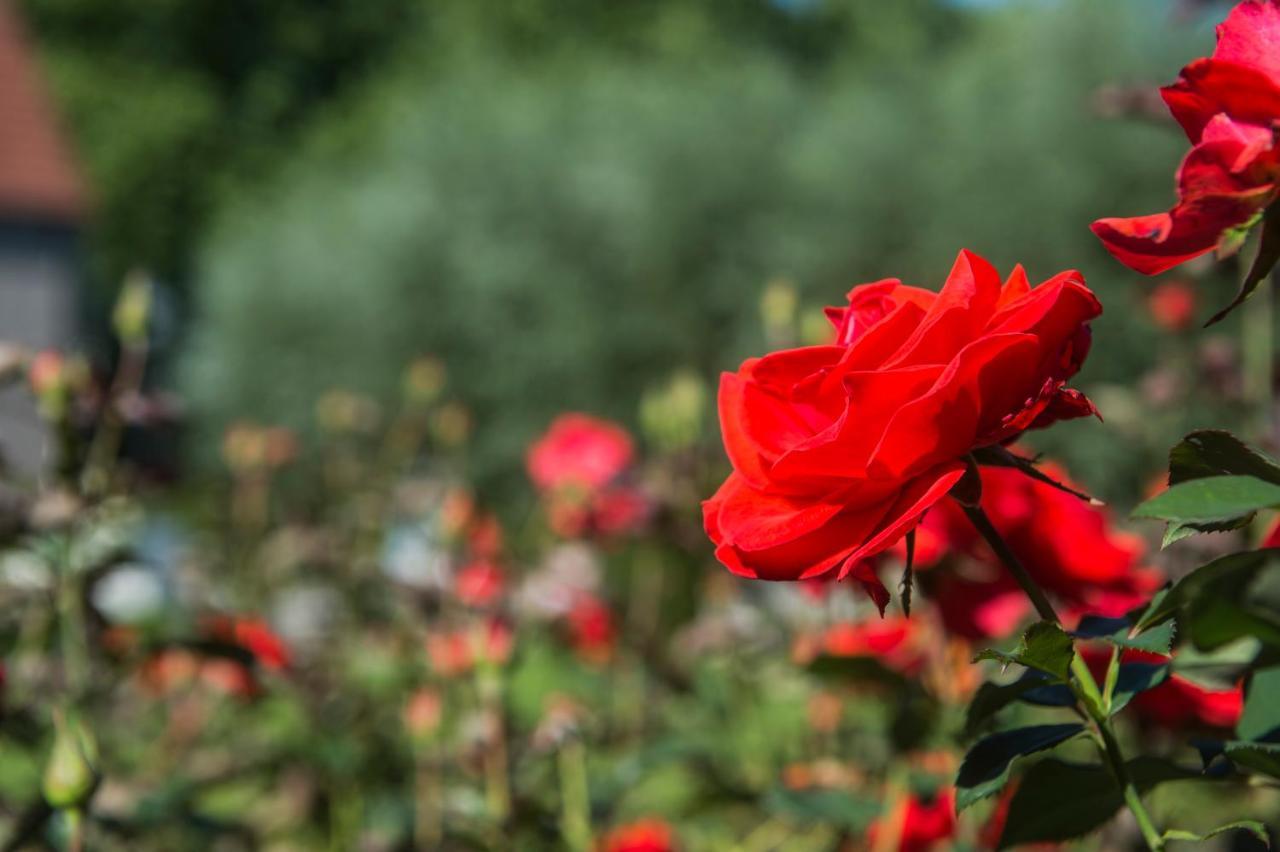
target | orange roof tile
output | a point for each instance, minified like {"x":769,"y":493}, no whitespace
{"x":38,"y":175}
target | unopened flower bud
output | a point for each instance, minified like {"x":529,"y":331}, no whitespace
{"x":71,"y":774}
{"x":133,"y":310}
{"x":423,"y":381}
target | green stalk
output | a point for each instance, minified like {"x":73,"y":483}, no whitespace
{"x":1089,"y":699}
{"x":575,"y":797}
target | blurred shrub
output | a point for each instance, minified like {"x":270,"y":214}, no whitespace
{"x":567,"y":236}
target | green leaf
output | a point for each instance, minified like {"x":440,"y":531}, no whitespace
{"x":1214,"y":452}
{"x":1135,"y":678}
{"x":1260,"y":757}
{"x":1040,"y":812}
{"x":1212,"y":499}
{"x":1252,"y":826}
{"x":986,"y":767}
{"x":1044,"y":647}
{"x":991,"y":698}
{"x":1268,"y":254}
{"x":1116,"y":631}
{"x":1261,"y":717}
{"x":1217,"y":620}
{"x":1214,"y":603}
{"x":1058,"y":801}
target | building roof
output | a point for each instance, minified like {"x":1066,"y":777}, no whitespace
{"x":38,"y":175}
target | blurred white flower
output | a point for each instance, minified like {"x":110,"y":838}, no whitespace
{"x":129,"y":594}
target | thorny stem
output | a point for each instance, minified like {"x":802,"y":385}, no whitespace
{"x":1088,"y":697}
{"x":983,"y":524}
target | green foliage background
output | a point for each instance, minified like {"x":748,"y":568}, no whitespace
{"x":569,"y":201}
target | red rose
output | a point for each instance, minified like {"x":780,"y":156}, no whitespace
{"x":838,"y":450}
{"x":579,"y":452}
{"x":922,"y":825}
{"x":649,"y":835}
{"x":1227,"y":104}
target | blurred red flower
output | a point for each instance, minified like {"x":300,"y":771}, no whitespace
{"x":455,"y":652}
{"x":479,"y":583}
{"x":649,"y":835}
{"x":1227,"y":104}
{"x":1172,"y":305}
{"x":921,"y":825}
{"x":253,"y":635}
{"x":1178,"y":703}
{"x":591,"y":629}
{"x":578,"y":466}
{"x":838,"y":450}
{"x":1069,"y":546}
{"x":579,"y":451}
{"x":1272,"y":537}
{"x":423,"y":713}
{"x":896,"y":641}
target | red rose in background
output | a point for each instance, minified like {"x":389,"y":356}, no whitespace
{"x":579,"y":451}
{"x":578,"y":466}
{"x":897,"y":641}
{"x":174,"y":667}
{"x":455,"y":652}
{"x":922,"y":825}
{"x":1227,"y":104}
{"x":1272,"y":538}
{"x":1180,"y":703}
{"x":1172,"y":305}
{"x":479,"y":583}
{"x":650,"y":835}
{"x":1069,"y":547}
{"x":838,"y":450}
{"x":255,"y":636}
{"x":591,"y":629}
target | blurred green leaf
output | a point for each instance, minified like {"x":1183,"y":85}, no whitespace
{"x":1261,"y":717}
{"x":1260,"y":757}
{"x":1214,"y":603}
{"x":837,"y":807}
{"x":1257,"y":829}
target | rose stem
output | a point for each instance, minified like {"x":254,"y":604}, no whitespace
{"x":1106,"y":740}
